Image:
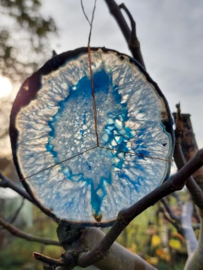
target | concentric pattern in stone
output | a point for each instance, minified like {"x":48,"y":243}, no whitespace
{"x":57,"y":149}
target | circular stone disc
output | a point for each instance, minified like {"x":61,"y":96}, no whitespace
{"x":84,"y":156}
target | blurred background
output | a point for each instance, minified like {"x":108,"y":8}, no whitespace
{"x":171,"y":37}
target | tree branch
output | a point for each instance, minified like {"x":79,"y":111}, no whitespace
{"x":117,"y":258}
{"x":174,"y":223}
{"x":130,"y":36}
{"x":47,"y":260}
{"x":176,"y":182}
{"x":176,"y":196}
{"x":29,"y":237}
{"x":17,"y":212}
{"x":168,"y":210}
{"x":7,"y":183}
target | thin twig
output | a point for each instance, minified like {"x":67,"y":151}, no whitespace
{"x":174,"y":223}
{"x":91,"y":24}
{"x":195,"y":214}
{"x":135,"y":154}
{"x":93,"y":97}
{"x":51,"y":166}
{"x":29,"y":237}
{"x":177,"y":197}
{"x":168,"y":210}
{"x":87,"y":150}
{"x":13,"y":219}
{"x":16,"y":214}
{"x":67,"y":260}
{"x":7,"y":183}
{"x":48,"y":260}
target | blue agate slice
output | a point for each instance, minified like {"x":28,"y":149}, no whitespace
{"x":84,"y":165}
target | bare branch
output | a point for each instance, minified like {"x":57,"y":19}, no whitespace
{"x":29,"y":237}
{"x":176,"y":196}
{"x":134,"y":44}
{"x":174,"y":223}
{"x":47,"y":260}
{"x":168,"y":209}
{"x":130,"y":36}
{"x":17,"y":212}
{"x":7,"y":183}
{"x":133,"y":24}
{"x":195,"y":214}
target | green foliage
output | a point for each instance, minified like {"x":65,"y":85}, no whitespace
{"x":24,"y":33}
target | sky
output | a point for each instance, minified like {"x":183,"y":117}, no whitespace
{"x":171,"y":37}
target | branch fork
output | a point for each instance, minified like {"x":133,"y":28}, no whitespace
{"x":176,"y":182}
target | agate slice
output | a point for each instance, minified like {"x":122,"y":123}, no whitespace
{"x":85,"y":149}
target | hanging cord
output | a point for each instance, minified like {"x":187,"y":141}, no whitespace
{"x":92,"y":19}
{"x":90,"y":66}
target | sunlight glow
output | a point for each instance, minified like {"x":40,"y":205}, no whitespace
{"x":5,"y":86}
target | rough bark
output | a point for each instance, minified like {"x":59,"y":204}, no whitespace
{"x":189,"y":144}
